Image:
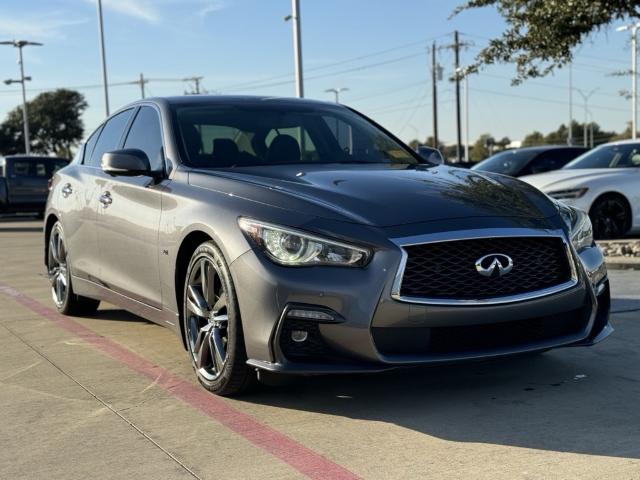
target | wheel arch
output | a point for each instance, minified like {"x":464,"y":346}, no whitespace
{"x":48,"y":226}
{"x":189,"y":245}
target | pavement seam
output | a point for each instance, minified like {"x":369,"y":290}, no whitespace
{"x":293,"y":453}
{"x":103,"y":402}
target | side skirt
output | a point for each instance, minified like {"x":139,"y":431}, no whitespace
{"x":91,"y":289}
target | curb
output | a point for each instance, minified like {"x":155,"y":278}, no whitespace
{"x":623,"y":263}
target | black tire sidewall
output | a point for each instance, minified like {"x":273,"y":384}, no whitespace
{"x":596,"y":214}
{"x":236,"y":355}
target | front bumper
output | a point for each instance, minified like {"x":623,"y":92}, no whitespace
{"x":373,"y":331}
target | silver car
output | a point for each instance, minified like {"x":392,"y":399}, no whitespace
{"x":299,"y":237}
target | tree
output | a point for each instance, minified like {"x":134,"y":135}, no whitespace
{"x":481,"y":149}
{"x":541,"y":34}
{"x":533,"y":139}
{"x":55,"y":124}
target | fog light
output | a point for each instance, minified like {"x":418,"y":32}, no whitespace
{"x":299,"y":336}
{"x":310,"y":314}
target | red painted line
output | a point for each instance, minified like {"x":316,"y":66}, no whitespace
{"x":293,"y":453}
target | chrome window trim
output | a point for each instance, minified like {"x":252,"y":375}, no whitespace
{"x":473,"y":235}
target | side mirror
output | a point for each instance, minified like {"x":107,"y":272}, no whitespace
{"x":430,"y":154}
{"x":129,"y":162}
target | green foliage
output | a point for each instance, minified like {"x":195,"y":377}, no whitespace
{"x":55,"y":124}
{"x":560,"y":136}
{"x":541,"y":34}
{"x":482,"y":148}
{"x":533,"y":139}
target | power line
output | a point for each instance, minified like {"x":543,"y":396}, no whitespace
{"x":333,"y":64}
{"x":544,"y":100}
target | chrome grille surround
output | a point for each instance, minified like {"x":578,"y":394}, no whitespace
{"x":482,"y":234}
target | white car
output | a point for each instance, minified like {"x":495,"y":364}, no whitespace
{"x":604,"y":182}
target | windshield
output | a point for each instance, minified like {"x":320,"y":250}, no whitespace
{"x":509,"y":162}
{"x":609,"y":156}
{"x":219,"y":136}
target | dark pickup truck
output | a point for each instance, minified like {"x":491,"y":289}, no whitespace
{"x":24,"y":182}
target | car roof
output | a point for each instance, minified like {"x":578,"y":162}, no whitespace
{"x":622,"y":142}
{"x":542,"y":148}
{"x":34,"y":157}
{"x":232,"y":100}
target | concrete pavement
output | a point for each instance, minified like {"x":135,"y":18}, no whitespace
{"x":81,"y":399}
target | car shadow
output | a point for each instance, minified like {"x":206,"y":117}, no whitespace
{"x":117,"y":315}
{"x":571,"y":400}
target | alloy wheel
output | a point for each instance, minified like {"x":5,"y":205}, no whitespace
{"x":207,"y":318}
{"x":58,"y":271}
{"x":610,"y":218}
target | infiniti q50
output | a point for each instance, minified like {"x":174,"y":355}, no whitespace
{"x":299,"y":237}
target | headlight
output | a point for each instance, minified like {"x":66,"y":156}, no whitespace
{"x":580,"y":229}
{"x":290,"y":247}
{"x":568,"y":194}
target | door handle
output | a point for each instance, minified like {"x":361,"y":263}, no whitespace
{"x":67,"y":190}
{"x":105,"y":199}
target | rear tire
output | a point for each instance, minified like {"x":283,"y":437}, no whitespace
{"x":65,"y":299}
{"x":212,"y":325}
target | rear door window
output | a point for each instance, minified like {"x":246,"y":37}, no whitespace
{"x":29,"y":168}
{"x":110,"y":136}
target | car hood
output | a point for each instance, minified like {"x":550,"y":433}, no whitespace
{"x":568,"y":178}
{"x":381,"y":195}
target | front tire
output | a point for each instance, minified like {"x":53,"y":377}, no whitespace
{"x":611,"y":217}
{"x":212,"y":325}
{"x":64,"y":298}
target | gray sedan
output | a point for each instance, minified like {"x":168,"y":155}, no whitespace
{"x":299,"y":237}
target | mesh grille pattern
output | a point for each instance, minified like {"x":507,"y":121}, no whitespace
{"x":470,"y":338}
{"x":446,"y":270}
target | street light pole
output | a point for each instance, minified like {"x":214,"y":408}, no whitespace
{"x":103,"y":58}
{"x":570,"y":130}
{"x":297,"y":46}
{"x":336,"y":92}
{"x":585,"y":97}
{"x":634,"y":75}
{"x":19,"y":44}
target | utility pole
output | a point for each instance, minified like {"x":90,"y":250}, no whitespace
{"x":634,"y":75}
{"x":103,"y":58}
{"x":297,"y":46}
{"x":196,"y":80}
{"x":456,"y":41}
{"x":466,"y":115}
{"x":434,"y":79}
{"x":19,"y":44}
{"x":336,"y":92}
{"x":142,"y":81}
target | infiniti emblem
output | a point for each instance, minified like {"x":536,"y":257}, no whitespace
{"x":494,"y":263}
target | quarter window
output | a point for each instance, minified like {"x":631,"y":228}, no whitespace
{"x":145,"y":135}
{"x":89,"y":146}
{"x":110,"y":136}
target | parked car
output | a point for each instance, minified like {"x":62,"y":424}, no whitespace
{"x":267,"y":241}
{"x":604,"y":182}
{"x":24,"y":182}
{"x":529,"y":160}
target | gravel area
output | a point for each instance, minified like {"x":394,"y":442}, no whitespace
{"x":621,"y":248}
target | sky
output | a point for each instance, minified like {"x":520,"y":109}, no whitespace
{"x":378,"y":49}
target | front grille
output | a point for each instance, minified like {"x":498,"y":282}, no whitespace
{"x":481,"y":338}
{"x":446,"y":270}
